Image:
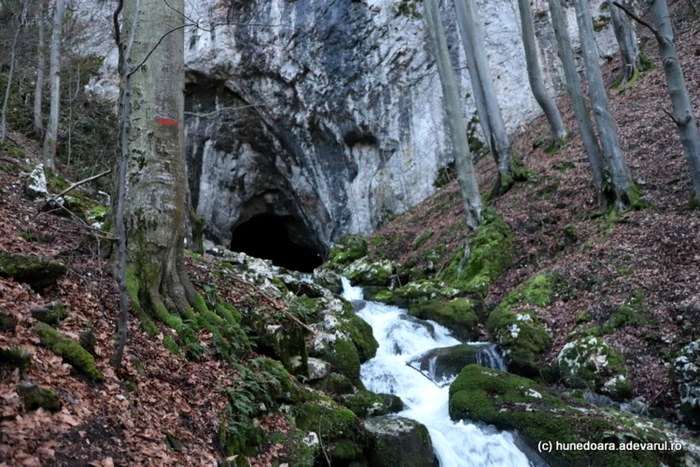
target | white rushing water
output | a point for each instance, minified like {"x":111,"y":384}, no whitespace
{"x":401,"y":338}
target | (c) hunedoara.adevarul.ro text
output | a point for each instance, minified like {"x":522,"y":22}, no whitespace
{"x":549,"y":446}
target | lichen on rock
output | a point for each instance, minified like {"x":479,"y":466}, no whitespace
{"x":686,"y":374}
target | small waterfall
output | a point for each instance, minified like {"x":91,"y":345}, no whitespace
{"x":456,"y":444}
{"x":489,"y":357}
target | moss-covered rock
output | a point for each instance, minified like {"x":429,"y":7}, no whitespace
{"x":7,"y":322}
{"x":367,"y":271}
{"x":423,"y":289}
{"x":297,"y":448}
{"x":515,"y":328}
{"x":284,"y":343}
{"x":590,"y":363}
{"x":490,"y":253}
{"x":336,"y":383}
{"x":458,"y":315}
{"x":347,"y":249}
{"x":37,"y":271}
{"x":19,"y":358}
{"x":539,"y":414}
{"x":686,"y":374}
{"x":325,"y":276}
{"x":368,"y":404}
{"x":359,"y":331}
{"x":70,"y":350}
{"x":339,"y":429}
{"x":344,"y":359}
{"x":397,"y":441}
{"x":384,"y":296}
{"x":52,"y":313}
{"x":35,"y":397}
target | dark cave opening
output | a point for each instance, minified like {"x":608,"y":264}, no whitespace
{"x":282,"y":239}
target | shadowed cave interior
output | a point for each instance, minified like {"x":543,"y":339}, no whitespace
{"x":282,"y":239}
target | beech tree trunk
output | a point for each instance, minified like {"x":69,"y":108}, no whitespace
{"x":466,"y":175}
{"x":534,"y":74}
{"x":573,"y":85}
{"x":155,"y":204}
{"x":682,"y":106}
{"x":51,"y":137}
{"x":621,"y":178}
{"x":627,"y":40}
{"x":10,"y":75}
{"x":477,"y":88}
{"x":41,"y":64}
{"x":473,"y":40}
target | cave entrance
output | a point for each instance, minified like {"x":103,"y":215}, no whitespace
{"x":282,"y":239}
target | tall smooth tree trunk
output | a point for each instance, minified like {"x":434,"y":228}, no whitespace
{"x":682,"y":106}
{"x":10,"y":75}
{"x":473,"y":39}
{"x":534,"y":74}
{"x":625,"y":191}
{"x":51,"y":137}
{"x":573,"y":85}
{"x":466,"y":175}
{"x":155,"y":204}
{"x":477,"y":88}
{"x":627,"y":40}
{"x":40,"y":66}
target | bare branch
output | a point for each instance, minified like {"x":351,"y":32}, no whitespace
{"x":639,"y":20}
{"x":76,"y":185}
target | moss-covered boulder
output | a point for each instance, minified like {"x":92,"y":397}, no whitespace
{"x":458,"y":315}
{"x":325,"y":276}
{"x":590,"y":363}
{"x":339,"y":429}
{"x":70,"y":350}
{"x":368,"y":271}
{"x":347,"y":249}
{"x":286,"y":343}
{"x":336,"y":383}
{"x":368,"y":404}
{"x":344,"y":359}
{"x":37,"y":271}
{"x":8,"y":323}
{"x":490,"y":253}
{"x":444,"y":363}
{"x":19,"y":358}
{"x":35,"y":397}
{"x":686,"y":374}
{"x":424,"y":289}
{"x":514,"y":326}
{"x":318,"y":369}
{"x":51,"y":313}
{"x":397,"y":441}
{"x":540,"y":415}
{"x":297,"y":447}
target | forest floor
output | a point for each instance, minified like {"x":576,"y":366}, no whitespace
{"x":653,"y":253}
{"x":650,"y":256}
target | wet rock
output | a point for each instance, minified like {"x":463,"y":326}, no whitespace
{"x":37,"y":271}
{"x":443,"y":364}
{"x":459,"y":315}
{"x":325,"y":276}
{"x":423,"y":289}
{"x":347,"y":249}
{"x":393,"y":441}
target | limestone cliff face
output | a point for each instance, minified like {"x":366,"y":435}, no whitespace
{"x":328,"y":113}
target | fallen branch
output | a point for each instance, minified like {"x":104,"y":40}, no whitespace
{"x":74,"y":186}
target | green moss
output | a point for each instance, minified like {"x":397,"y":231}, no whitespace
{"x":458,"y":315}
{"x":583,"y":317}
{"x":385,"y":296}
{"x":491,"y":252}
{"x":368,"y":404}
{"x":70,"y":350}
{"x":360,"y":333}
{"x":170,"y":344}
{"x":228,"y":312}
{"x":421,"y":239}
{"x":514,"y":325}
{"x":540,"y":415}
{"x":37,"y":271}
{"x":19,"y":358}
{"x":348,"y":249}
{"x":294,"y":451}
{"x":367,"y":271}
{"x":344,"y":359}
{"x":335,"y":383}
{"x":634,"y":313}
{"x":7,"y":322}
{"x":35,"y":397}
{"x":337,"y":428}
